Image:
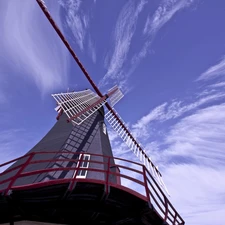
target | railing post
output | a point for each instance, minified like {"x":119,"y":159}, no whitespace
{"x":107,"y":176}
{"x":17,"y":175}
{"x":166,"y":211}
{"x":175,"y":218}
{"x":146,"y":183}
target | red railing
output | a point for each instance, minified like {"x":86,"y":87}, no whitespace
{"x":135,"y":178}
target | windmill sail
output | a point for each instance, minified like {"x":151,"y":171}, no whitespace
{"x":119,"y":126}
{"x":78,"y":106}
{"x":116,"y":96}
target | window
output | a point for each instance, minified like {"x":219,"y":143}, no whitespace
{"x":104,"y":128}
{"x":84,"y":163}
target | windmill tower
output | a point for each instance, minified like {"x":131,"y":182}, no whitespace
{"x":71,"y":175}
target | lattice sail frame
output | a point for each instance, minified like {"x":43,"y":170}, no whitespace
{"x":116,"y":97}
{"x":78,"y":106}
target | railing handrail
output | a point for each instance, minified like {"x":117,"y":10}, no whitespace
{"x":69,"y":152}
{"x":148,"y":182}
{"x":168,"y":202}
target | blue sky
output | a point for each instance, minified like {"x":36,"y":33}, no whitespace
{"x":168,"y":56}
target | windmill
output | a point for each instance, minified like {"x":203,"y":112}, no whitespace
{"x":112,"y":116}
{"x":34,"y":177}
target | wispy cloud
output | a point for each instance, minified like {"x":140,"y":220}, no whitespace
{"x":202,"y":130}
{"x":92,"y":50}
{"x":191,"y":157}
{"x":140,"y":129}
{"x":166,"y":10}
{"x":13,"y":144}
{"x":29,"y":44}
{"x":163,"y":14}
{"x":197,"y":192}
{"x":168,"y":111}
{"x":199,"y":140}
{"x":76,"y":20}
{"x":124,"y":31}
{"x":218,"y":85}
{"x":214,"y":71}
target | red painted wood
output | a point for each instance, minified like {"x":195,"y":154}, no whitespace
{"x":147,"y":177}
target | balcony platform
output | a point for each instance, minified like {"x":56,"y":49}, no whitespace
{"x":91,"y":200}
{"x":87,"y":203}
